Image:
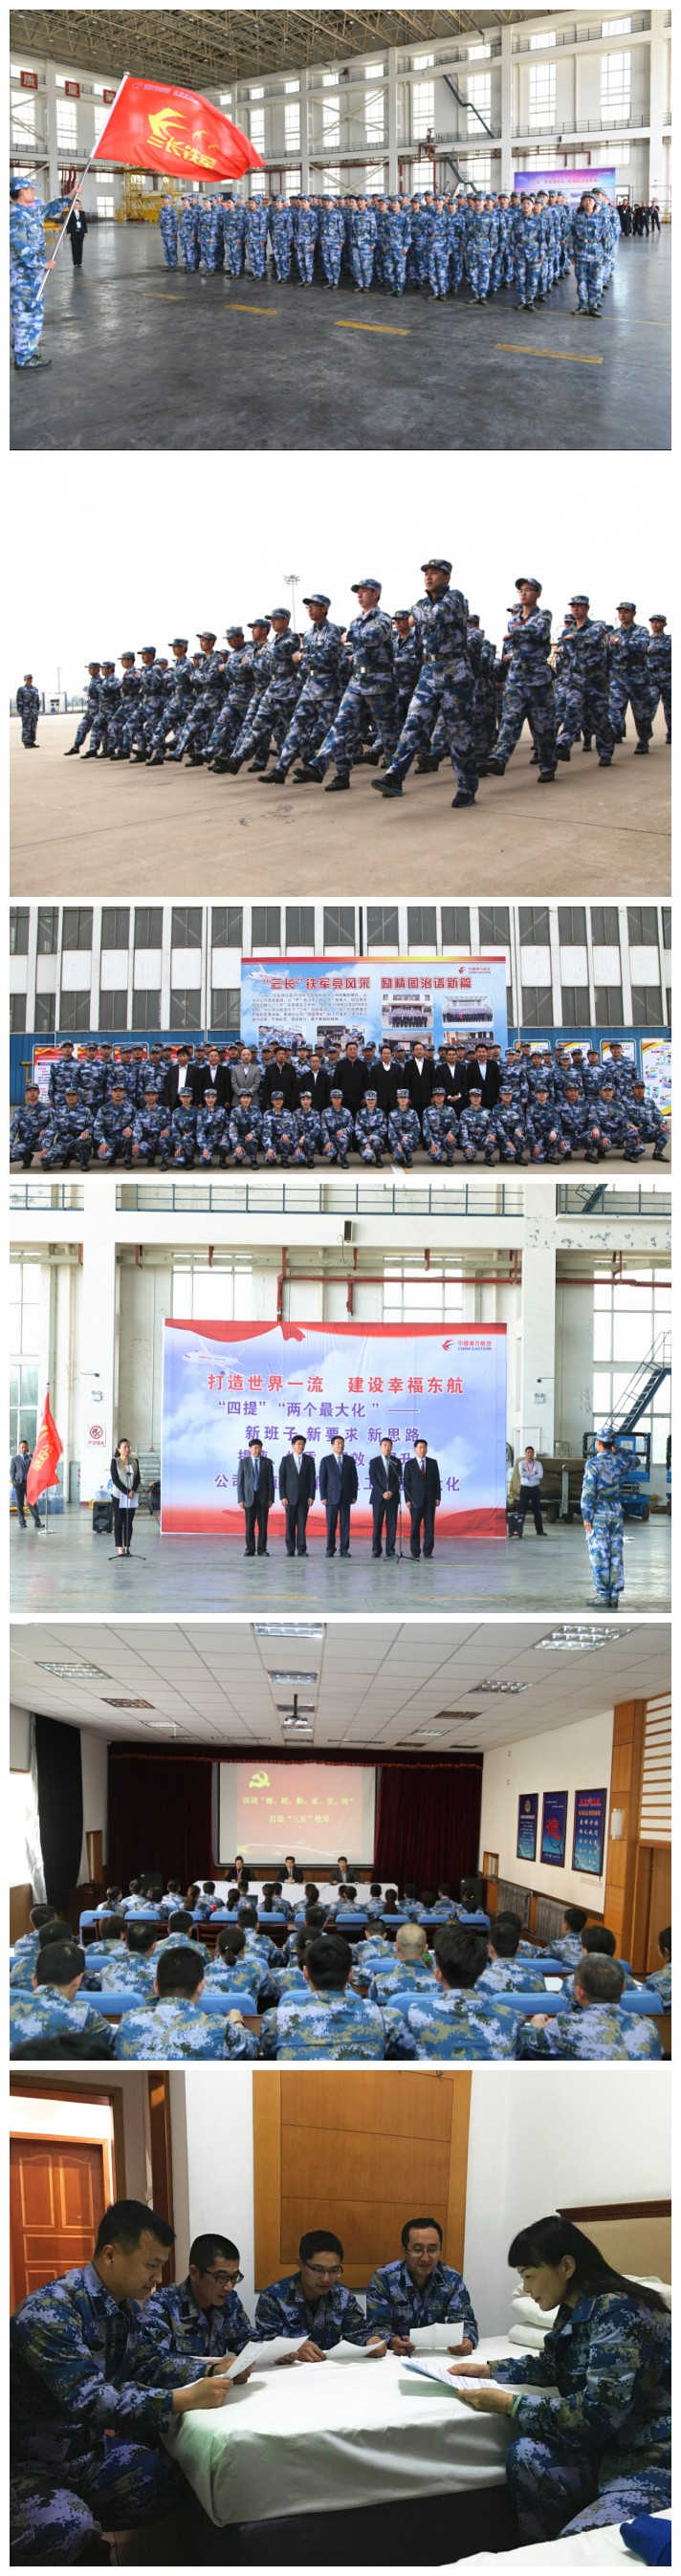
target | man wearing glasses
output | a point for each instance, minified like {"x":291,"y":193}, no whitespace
{"x":313,"y":2302}
{"x":200,"y":2315}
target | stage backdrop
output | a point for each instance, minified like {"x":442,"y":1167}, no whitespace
{"x":571,"y":184}
{"x":222,"y":1382}
{"x":322,"y":998}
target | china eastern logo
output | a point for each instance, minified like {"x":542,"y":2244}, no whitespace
{"x":162,"y":128}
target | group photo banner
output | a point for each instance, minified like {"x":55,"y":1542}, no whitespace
{"x":571,"y":184}
{"x":319,"y":999}
{"x":222,"y":1383}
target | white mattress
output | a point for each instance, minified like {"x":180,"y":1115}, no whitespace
{"x":605,"y":2549}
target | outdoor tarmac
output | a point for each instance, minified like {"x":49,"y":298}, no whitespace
{"x":603,"y":832}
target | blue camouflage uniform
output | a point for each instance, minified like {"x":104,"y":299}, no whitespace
{"x":85,"y":2436}
{"x":590,"y":253}
{"x":331,"y":238}
{"x":183,"y":1133}
{"x":173,"y":2328}
{"x":593,"y":2031}
{"x":319,"y":696}
{"x":121,"y":719}
{"x":504,"y":1976}
{"x":237,"y":686}
{"x":151,"y":1134}
{"x":280,"y":224}
{"x":177,"y":703}
{"x":204,"y":707}
{"x":188,"y":231}
{"x":146,"y":709}
{"x":308,"y":1126}
{"x":167,"y":225}
{"x":474,"y":1128}
{"x":368,"y":705}
{"x":176,"y":2027}
{"x":630,"y":681}
{"x":26,"y":1133}
{"x":444,"y":690}
{"x":528,"y":693}
{"x":328,"y":2025}
{"x":525,"y":243}
{"x":439,"y":250}
{"x":457,"y":237}
{"x":404,"y":1135}
{"x":661,"y":1981}
{"x":601,"y":1504}
{"x":233,"y":235}
{"x":453,"y":2025}
{"x":388,"y":1981}
{"x":28,"y":708}
{"x":279,"y":1135}
{"x":481,"y":246}
{"x":440,"y":1130}
{"x":600,"y":2449}
{"x":306,"y":229}
{"x":644,"y":1126}
{"x":67,"y":1138}
{"x":210,"y":234}
{"x":255,"y":235}
{"x":371,"y":1128}
{"x":397,"y":241}
{"x":212,"y":1138}
{"x":660,"y":674}
{"x":363,"y":234}
{"x":276,"y":689}
{"x":108,"y":710}
{"x":506,"y":1133}
{"x":337,"y":2317}
{"x":44,"y":2011}
{"x":112,"y":1138}
{"x":395,"y":2303}
{"x":27,"y":259}
{"x":336,"y":1135}
{"x":544,"y":1132}
{"x":502,"y":262}
{"x":238,"y":1976}
{"x":245,"y":1132}
{"x":417,"y":262}
{"x":585,"y":681}
{"x":89,"y":711}
{"x":407,"y":664}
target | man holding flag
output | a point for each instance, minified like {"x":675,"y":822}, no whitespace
{"x":28,"y":267}
{"x":48,"y":1449}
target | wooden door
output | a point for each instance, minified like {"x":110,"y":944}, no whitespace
{"x":59,"y":2189}
{"x":357,"y":2152}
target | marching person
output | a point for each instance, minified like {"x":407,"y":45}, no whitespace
{"x":125,"y":1477}
{"x":423,"y":1492}
{"x":255,"y":1492}
{"x":385,"y":1479}
{"x":338,"y":1489}
{"x":297,"y":1487}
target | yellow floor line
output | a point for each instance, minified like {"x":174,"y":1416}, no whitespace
{"x":528,"y":349}
{"x":389,"y":330}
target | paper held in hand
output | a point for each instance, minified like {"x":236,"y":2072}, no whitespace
{"x":344,"y":2351}
{"x":263,"y":2356}
{"x":439,"y":2370}
{"x":437,"y":2338}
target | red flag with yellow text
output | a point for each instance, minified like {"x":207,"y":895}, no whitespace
{"x":151,"y":127}
{"x":48,"y":1449}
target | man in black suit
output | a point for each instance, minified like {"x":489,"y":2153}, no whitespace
{"x":211,"y":1073}
{"x":255,"y":1493}
{"x":280,"y":1076}
{"x":351,"y":1073}
{"x":297,"y":1488}
{"x":419,"y":1078}
{"x":385,"y":1077}
{"x":385,"y":1479}
{"x":340,"y":1876}
{"x":482,"y":1074}
{"x":316,"y":1081}
{"x":338,"y":1491}
{"x":291,"y":1875}
{"x":76,"y":229}
{"x":423,"y":1493}
{"x":178,"y":1079}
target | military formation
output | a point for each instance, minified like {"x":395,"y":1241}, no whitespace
{"x":291,"y":1107}
{"x":373,"y":1976}
{"x":419,"y":686}
{"x":437,"y":244}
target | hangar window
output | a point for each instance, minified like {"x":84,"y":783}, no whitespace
{"x":423,"y":97}
{"x":185,"y":1007}
{"x":25,"y":1299}
{"x":74,"y":1011}
{"x":534,"y":925}
{"x":44,"y":1015}
{"x":225,"y":1007}
{"x":605,"y":925}
{"x":17,"y":1014}
{"x":339,"y":926}
{"x":113,"y":1009}
{"x":542,"y":102}
{"x":77,"y":926}
{"x":537,"y":1006}
{"x":422,"y":925}
{"x":456,"y":925}
{"x":67,"y":125}
{"x":382,"y":926}
{"x":146,"y":1008}
{"x":642,"y":925}
{"x":627,"y":1321}
{"x":148,"y":925}
{"x":300,"y":926}
{"x":616,"y":86}
{"x":115,"y":925}
{"x":572,"y":924}
{"x":18,"y":930}
{"x":479,"y":99}
{"x":186,"y":926}
{"x":48,"y":924}
{"x":574,"y":1006}
{"x":266,"y":926}
{"x":227,"y":922}
{"x":608,"y":1006}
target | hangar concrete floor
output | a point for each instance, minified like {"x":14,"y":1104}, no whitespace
{"x":603,"y":832}
{"x":147,"y":357}
{"x":71,"y":1570}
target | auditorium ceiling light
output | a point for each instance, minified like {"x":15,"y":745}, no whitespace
{"x":133,"y":1703}
{"x":307,"y":1710}
{"x":500,"y":1690}
{"x":74,"y":1672}
{"x":453,"y":1717}
{"x":298,"y":1681}
{"x":581,"y":1638}
{"x":309,"y":1628}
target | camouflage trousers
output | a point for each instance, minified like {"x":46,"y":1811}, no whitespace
{"x":630,"y":693}
{"x":26,"y":314}
{"x":61,"y":2524}
{"x":83,"y":729}
{"x":479,"y":268}
{"x":229,"y":723}
{"x":366,"y":707}
{"x":267,"y":719}
{"x":531,"y":701}
{"x":606,"y":1555}
{"x":315,"y":710}
{"x":661,"y":690}
{"x":589,"y":279}
{"x":199,"y":725}
{"x":555,"y":2493}
{"x":29,"y":728}
{"x":585,"y":710}
{"x":440,"y":700}
{"x":438,"y":269}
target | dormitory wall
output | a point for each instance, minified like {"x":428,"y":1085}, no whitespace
{"x":567,"y":1757}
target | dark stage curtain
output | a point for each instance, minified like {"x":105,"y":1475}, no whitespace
{"x":160,"y":1816}
{"x":60,"y":1805}
{"x":428,"y":1822}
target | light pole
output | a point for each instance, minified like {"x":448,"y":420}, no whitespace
{"x":291,"y":578}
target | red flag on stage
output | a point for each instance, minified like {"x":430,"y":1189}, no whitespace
{"x":151,"y":127}
{"x":48,"y":1448}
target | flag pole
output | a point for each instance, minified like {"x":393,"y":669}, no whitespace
{"x":83,"y":176}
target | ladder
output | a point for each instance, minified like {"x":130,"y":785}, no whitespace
{"x":643,"y":1385}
